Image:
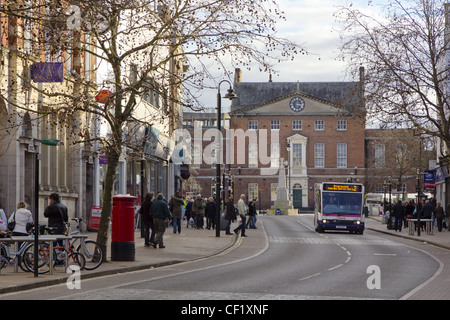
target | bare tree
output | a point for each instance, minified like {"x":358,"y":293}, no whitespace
{"x":403,"y":47}
{"x":397,"y":154}
{"x":166,"y":47}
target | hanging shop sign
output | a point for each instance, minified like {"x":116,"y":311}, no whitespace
{"x":103,"y":96}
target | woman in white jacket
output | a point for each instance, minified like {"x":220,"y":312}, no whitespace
{"x":22,"y":217}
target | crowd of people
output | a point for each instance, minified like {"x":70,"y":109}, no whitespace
{"x":20,"y":222}
{"x":158,"y":214}
{"x":426,"y":209}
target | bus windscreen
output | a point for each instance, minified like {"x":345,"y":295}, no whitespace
{"x":342,"y":203}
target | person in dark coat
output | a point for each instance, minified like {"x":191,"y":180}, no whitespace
{"x":188,"y":211}
{"x":399,"y":213}
{"x":175,"y":204}
{"x":230,"y":214}
{"x":57,"y":215}
{"x":251,"y":215}
{"x":426,"y":213}
{"x":159,"y":211}
{"x":440,"y":215}
{"x":210,"y":214}
{"x":147,"y":220}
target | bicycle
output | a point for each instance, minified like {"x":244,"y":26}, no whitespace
{"x":60,"y":253}
{"x":9,"y":258}
{"x":90,"y":249}
{"x":25,"y":256}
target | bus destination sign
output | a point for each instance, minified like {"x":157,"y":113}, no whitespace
{"x":342,"y":187}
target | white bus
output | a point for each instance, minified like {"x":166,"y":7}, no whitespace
{"x":339,"y":206}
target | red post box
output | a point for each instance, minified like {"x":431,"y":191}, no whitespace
{"x":122,"y":233}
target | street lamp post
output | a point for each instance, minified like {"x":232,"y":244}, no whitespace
{"x":288,"y":147}
{"x":418,"y":200}
{"x":48,"y":142}
{"x":230,"y":95}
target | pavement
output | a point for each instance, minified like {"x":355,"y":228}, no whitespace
{"x":439,"y":239}
{"x":191,"y":244}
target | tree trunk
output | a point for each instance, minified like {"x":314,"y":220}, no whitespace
{"x":102,"y":236}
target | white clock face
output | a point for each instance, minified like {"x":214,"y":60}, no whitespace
{"x":297,"y":104}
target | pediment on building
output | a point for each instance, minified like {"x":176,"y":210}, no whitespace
{"x":282,"y":106}
{"x":297,"y":137}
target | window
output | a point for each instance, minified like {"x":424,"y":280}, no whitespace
{"x":319,"y":155}
{"x":274,"y":124}
{"x":213,"y":157}
{"x":273,"y":191}
{"x":253,"y":155}
{"x":379,"y":155}
{"x":319,"y":125}
{"x":196,"y":156}
{"x":296,"y":155}
{"x":401,"y":187}
{"x":274,"y":155}
{"x":253,"y":125}
{"x":342,"y":155}
{"x":400,"y":156}
{"x":252,"y":191}
{"x":342,"y":125}
{"x":297,"y":125}
{"x":379,"y":188}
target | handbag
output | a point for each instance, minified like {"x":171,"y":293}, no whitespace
{"x":12,"y":224}
{"x":29,"y":226}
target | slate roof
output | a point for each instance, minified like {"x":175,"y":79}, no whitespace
{"x":340,"y":94}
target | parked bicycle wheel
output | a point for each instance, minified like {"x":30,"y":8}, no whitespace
{"x":3,"y":257}
{"x":7,"y":260}
{"x":28,"y":258}
{"x":73,"y":259}
{"x":93,"y":254}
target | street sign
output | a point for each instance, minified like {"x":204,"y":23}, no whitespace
{"x":52,"y":142}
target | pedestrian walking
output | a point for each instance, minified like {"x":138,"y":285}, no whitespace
{"x":198,"y":209}
{"x":22,"y":216}
{"x":399,"y":213}
{"x":242,"y":210}
{"x":159,"y":211}
{"x":230,"y":214}
{"x":426,"y":212}
{"x":147,"y":220}
{"x":210,"y":214}
{"x":175,"y":204}
{"x":3,"y":220}
{"x":188,"y":211}
{"x":251,"y":215}
{"x":448,"y":215}
{"x":440,"y":215}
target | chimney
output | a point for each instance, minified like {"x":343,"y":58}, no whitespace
{"x":361,"y":75}
{"x":237,"y":75}
{"x":362,"y":86}
{"x":270,"y":77}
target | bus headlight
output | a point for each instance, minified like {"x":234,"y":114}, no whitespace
{"x":324,"y":221}
{"x":358,"y":222}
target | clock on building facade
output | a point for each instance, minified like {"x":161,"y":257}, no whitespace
{"x":297,"y":104}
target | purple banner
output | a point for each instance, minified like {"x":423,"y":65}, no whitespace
{"x":47,"y":72}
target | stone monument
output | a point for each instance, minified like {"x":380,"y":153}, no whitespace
{"x":282,"y":206}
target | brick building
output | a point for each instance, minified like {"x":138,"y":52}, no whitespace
{"x":317,"y":129}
